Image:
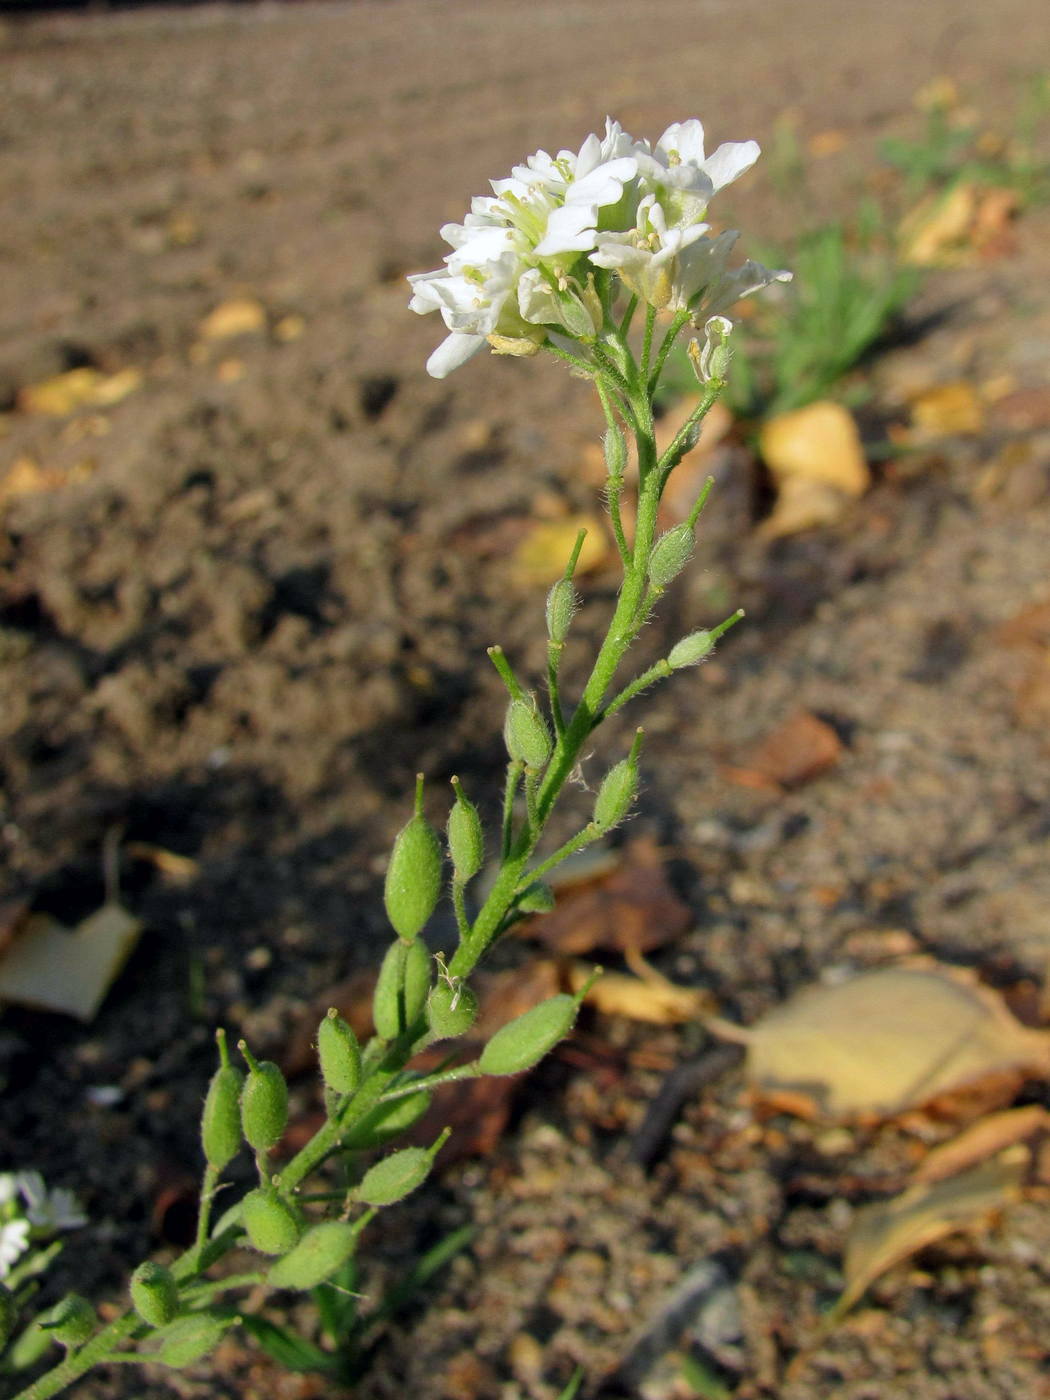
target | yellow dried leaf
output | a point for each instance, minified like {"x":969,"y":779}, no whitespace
{"x":63,"y":394}
{"x":542,"y":554}
{"x":238,"y":316}
{"x":68,"y":970}
{"x":889,"y":1040}
{"x":889,"y":1231}
{"x":652,"y":999}
{"x":936,"y":233}
{"x":817,"y":443}
{"x":947,"y":410}
{"x":983,"y":1139}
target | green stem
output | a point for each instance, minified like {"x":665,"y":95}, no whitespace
{"x":655,"y":673}
{"x":94,"y":1352}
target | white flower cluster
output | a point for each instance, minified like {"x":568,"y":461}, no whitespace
{"x":26,"y":1205}
{"x":522,"y":261}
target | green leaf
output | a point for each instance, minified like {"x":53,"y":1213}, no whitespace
{"x":287,"y":1348}
{"x":435,"y":1259}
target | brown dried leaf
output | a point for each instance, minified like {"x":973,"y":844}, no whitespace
{"x":631,"y":907}
{"x":651,"y":998}
{"x":798,"y":750}
{"x":889,"y":1231}
{"x":947,"y":410}
{"x":889,"y":1040}
{"x":68,"y":970}
{"x":983,"y":1139}
{"x":541,"y":555}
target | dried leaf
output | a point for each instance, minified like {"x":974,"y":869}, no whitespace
{"x":651,"y":998}
{"x":947,"y":410}
{"x":889,"y":1040}
{"x":78,"y":388}
{"x":889,"y":1231}
{"x":68,"y":970}
{"x":816,"y":460}
{"x":541,"y":555}
{"x":955,"y":228}
{"x":237,"y":316}
{"x":983,"y":1139}
{"x":631,"y":907}
{"x":798,"y":750}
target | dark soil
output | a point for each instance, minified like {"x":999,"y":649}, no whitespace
{"x":259,"y":600}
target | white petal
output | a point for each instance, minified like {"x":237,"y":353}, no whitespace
{"x":730,"y":161}
{"x":686,"y":139}
{"x":454,"y":351}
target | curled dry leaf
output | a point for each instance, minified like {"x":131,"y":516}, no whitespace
{"x":887,"y":1041}
{"x":78,"y":388}
{"x":983,"y":1139}
{"x":649,"y":997}
{"x":816,"y":459}
{"x":56,"y":968}
{"x":798,"y":750}
{"x":889,"y":1231}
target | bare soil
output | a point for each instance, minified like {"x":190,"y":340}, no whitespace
{"x":258,"y":603}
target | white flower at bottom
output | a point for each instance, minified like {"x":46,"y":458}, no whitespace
{"x":14,"y":1241}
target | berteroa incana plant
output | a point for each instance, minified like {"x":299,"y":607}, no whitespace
{"x":602,"y":259}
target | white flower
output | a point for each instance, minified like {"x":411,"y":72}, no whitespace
{"x":14,"y":1241}
{"x":683,"y":178}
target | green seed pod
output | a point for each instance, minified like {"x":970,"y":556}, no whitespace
{"x":413,"y":877}
{"x":71,"y":1321}
{"x":189,"y":1338}
{"x":264,"y":1104}
{"x":615,"y":447}
{"x":154,"y":1294}
{"x":523,"y":1042}
{"x":561,"y":607}
{"x":466,"y":840}
{"x":321,"y":1251}
{"x":690,"y":650}
{"x":339,"y":1054}
{"x":386,"y":1122}
{"x":272,"y":1225}
{"x":452,"y":1008}
{"x":671,"y":552}
{"x":618,"y":790}
{"x":526,"y":734}
{"x":401,"y":991}
{"x":8,"y":1315}
{"x":221,"y":1120}
{"x":393,"y":1178}
{"x":538,"y":898}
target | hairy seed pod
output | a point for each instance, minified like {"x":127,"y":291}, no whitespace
{"x":537,"y":898}
{"x":321,"y":1251}
{"x":523,"y":1042}
{"x":690,"y":650}
{"x":271,"y":1224}
{"x":561,"y":606}
{"x":264,"y":1106}
{"x":615,"y":446}
{"x":8,"y":1314}
{"x":452,"y":1008}
{"x":71,"y":1321}
{"x":466,"y":840}
{"x":401,"y":991}
{"x":413,"y":877}
{"x":189,"y":1338}
{"x":339,"y":1054}
{"x":154,"y":1294}
{"x":671,"y":552}
{"x":221,"y":1120}
{"x":395,"y":1177}
{"x":387,"y":1121}
{"x":526,"y":734}
{"x":618,"y":790}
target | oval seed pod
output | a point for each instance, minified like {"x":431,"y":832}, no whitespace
{"x":387,"y":1121}
{"x":271,"y":1223}
{"x":413,"y":877}
{"x":401,"y":991}
{"x":189,"y":1338}
{"x":615,"y":446}
{"x":452,"y":1008}
{"x":526,"y":734}
{"x":72,"y":1321}
{"x":690,"y":650}
{"x":154,"y":1294}
{"x":466,"y":840}
{"x":671,"y":552}
{"x":523,"y":1042}
{"x":221,"y":1120}
{"x":561,"y":606}
{"x":339,"y":1054}
{"x":8,"y":1314}
{"x":264,"y":1104}
{"x":618,"y":790}
{"x":321,"y":1251}
{"x":395,"y":1177}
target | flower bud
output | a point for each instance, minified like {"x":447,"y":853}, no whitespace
{"x":526,"y":734}
{"x":537,"y":898}
{"x":387,"y":1121}
{"x":264,"y":1103}
{"x":154,"y":1294}
{"x":401,"y":991}
{"x":321,"y":1251}
{"x":393,"y":1178}
{"x":671,"y":552}
{"x":71,"y":1321}
{"x":561,"y":605}
{"x":413,"y":877}
{"x":615,"y":445}
{"x":690,"y":650}
{"x":618,"y":790}
{"x":339,"y":1054}
{"x":190,"y":1338}
{"x":8,"y":1314}
{"x":271,"y":1223}
{"x":221,"y":1119}
{"x":523,"y":1042}
{"x":466,"y":840}
{"x":712,"y":362}
{"x":452,"y":1008}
